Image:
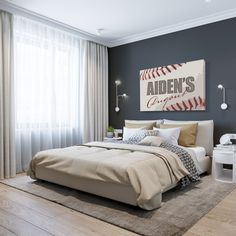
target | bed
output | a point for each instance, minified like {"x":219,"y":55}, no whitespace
{"x":130,"y":173}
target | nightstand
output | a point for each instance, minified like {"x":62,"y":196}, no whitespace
{"x":110,"y":139}
{"x":221,"y":156}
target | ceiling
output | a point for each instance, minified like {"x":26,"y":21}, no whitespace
{"x":125,"y":21}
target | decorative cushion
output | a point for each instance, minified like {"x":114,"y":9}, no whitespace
{"x":141,"y":134}
{"x":128,"y":132}
{"x":139,"y":125}
{"x":205,"y":133}
{"x":187,"y":135}
{"x":151,"y":141}
{"x":169,"y":135}
{"x":143,"y":123}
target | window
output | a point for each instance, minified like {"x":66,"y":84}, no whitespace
{"x":47,"y":76}
{"x":47,"y":89}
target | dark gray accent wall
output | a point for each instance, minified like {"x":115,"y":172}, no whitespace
{"x":216,"y":43}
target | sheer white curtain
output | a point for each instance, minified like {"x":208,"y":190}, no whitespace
{"x":7,"y":148}
{"x":48,"y":96}
{"x":95,"y":91}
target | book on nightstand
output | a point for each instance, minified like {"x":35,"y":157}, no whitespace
{"x":231,"y":147}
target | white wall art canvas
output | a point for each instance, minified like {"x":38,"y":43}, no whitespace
{"x":176,"y":87}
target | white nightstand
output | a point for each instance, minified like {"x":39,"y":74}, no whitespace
{"x":222,"y":156}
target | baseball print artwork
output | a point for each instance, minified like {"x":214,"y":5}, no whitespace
{"x":176,"y":87}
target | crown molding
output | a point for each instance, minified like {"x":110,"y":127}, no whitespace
{"x":175,"y":28}
{"x":14,"y":9}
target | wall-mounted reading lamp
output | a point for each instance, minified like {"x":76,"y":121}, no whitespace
{"x":117,"y":82}
{"x":223,"y":106}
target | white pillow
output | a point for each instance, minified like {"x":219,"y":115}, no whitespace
{"x":204,"y":136}
{"x":170,"y":136}
{"x":151,"y":141}
{"x":128,"y":132}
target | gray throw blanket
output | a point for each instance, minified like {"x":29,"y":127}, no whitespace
{"x":187,"y":161}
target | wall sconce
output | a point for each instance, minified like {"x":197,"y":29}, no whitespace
{"x":223,"y":106}
{"x":117,"y":82}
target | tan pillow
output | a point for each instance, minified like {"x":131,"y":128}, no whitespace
{"x":205,"y":133}
{"x":188,"y":133}
{"x":151,"y":141}
{"x":144,"y":125}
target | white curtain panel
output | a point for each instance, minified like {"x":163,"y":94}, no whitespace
{"x":95,"y":91}
{"x":61,"y":89}
{"x":47,"y":89}
{"x":7,"y":148}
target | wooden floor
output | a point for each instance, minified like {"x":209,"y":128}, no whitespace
{"x":220,"y":221}
{"x":25,"y":214}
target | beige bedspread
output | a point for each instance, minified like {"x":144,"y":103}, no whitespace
{"x":147,"y":169}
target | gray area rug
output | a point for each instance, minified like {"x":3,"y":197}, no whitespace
{"x":180,"y":210}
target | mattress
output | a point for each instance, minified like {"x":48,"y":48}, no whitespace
{"x":200,"y":159}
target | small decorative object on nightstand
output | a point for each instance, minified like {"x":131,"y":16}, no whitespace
{"x":110,"y":132}
{"x":224,"y":155}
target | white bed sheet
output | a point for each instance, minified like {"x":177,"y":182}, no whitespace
{"x":200,"y":159}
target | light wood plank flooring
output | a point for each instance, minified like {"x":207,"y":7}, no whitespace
{"x":25,"y":214}
{"x":220,"y":221}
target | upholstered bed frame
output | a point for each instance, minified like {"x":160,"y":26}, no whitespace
{"x":112,"y":191}
{"x":119,"y":192}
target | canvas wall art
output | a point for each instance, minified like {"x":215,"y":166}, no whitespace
{"x":176,"y":87}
